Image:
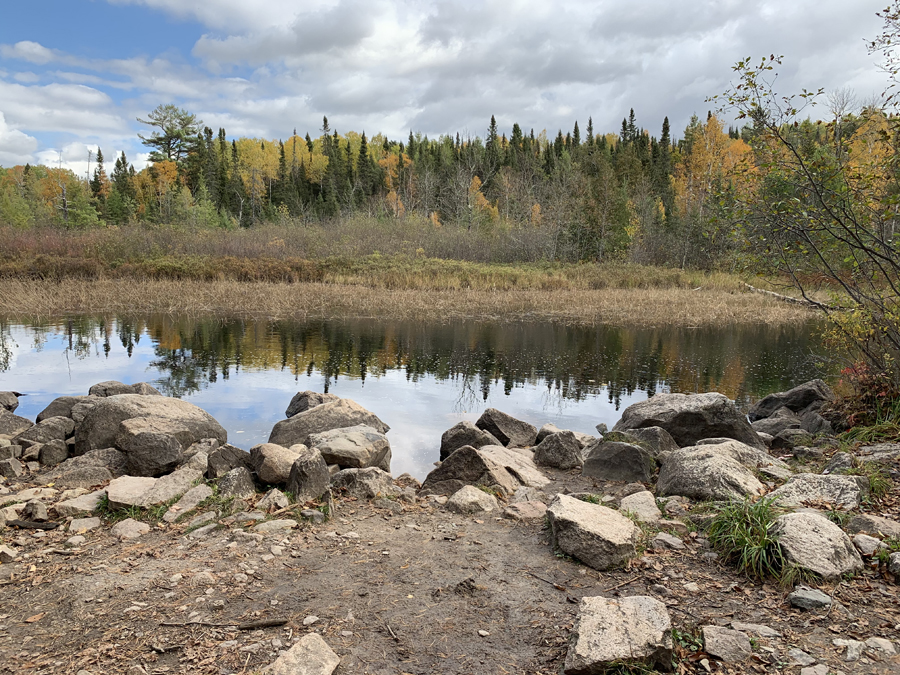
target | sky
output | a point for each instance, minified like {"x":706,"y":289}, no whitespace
{"x":76,"y":74}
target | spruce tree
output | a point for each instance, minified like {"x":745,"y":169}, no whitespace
{"x":576,"y":136}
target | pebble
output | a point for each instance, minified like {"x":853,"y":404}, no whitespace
{"x":310,"y":620}
{"x":346,"y":633}
{"x":692,"y":587}
{"x":800,"y":657}
{"x":77,"y":540}
{"x":483,"y":633}
{"x":809,"y":598}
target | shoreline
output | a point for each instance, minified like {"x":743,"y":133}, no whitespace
{"x":672,"y":307}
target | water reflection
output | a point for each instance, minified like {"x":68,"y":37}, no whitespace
{"x":576,"y":376}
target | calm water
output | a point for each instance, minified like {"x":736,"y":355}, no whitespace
{"x":419,"y":378}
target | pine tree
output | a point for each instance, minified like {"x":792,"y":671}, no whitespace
{"x":576,"y":136}
{"x":590,"y":131}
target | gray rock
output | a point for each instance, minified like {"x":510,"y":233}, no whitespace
{"x":519,"y":463}
{"x":51,"y":429}
{"x":662,"y":541}
{"x":309,"y":477}
{"x":113,"y":388}
{"x":127,"y":491}
{"x":275,"y":499}
{"x":10,"y":451}
{"x":273,"y":462}
{"x":560,"y":450}
{"x":844,"y":492}
{"x":874,"y":525}
{"x":100,"y":426}
{"x":464,"y":433}
{"x":107,"y":458}
{"x":36,"y":510}
{"x":881,"y":646}
{"x":171,"y":486}
{"x":237,"y":483}
{"x":7,"y":554}
{"x":62,"y":406}
{"x":778,"y":421}
{"x":757,"y":629}
{"x":866,"y":545}
{"x":53,"y":453}
{"x":707,"y":472}
{"x":356,"y":447}
{"x":11,"y":468}
{"x":690,"y":417}
{"x":304,"y":400}
{"x":731,"y":646}
{"x":152,"y":446}
{"x":642,"y":505}
{"x":9,"y":400}
{"x":511,"y":433}
{"x":363,"y":483}
{"x":610,"y":460}
{"x":839,"y":463}
{"x":275,"y":526}
{"x":655,"y":439}
{"x":894,"y":564}
{"x":880,"y":453}
{"x":596,"y":535}
{"x":607,"y":631}
{"x":854,"y":648}
{"x":189,"y":501}
{"x":79,"y":525}
{"x":545,"y":431}
{"x":469,"y":466}
{"x":813,"y":423}
{"x":814,"y":543}
{"x":129,"y":529}
{"x":531,"y":510}
{"x":789,"y":439}
{"x":310,"y":656}
{"x":83,"y":504}
{"x":12,"y":425}
{"x":801,"y":658}
{"x":800,"y":398}
{"x":325,"y":417}
{"x":84,"y":477}
{"x":472,"y":500}
{"x":225,"y":458}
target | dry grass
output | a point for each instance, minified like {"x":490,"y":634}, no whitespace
{"x":619,"y":306}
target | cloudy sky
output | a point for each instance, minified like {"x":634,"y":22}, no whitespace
{"x":75,"y":74}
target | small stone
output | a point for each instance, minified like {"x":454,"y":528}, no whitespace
{"x":692,"y":587}
{"x":75,"y":541}
{"x":310,"y":620}
{"x":800,"y":657}
{"x":36,"y":510}
{"x":866,"y":545}
{"x":731,"y":646}
{"x":8,"y":554}
{"x":275,"y":526}
{"x":203,"y":579}
{"x":241,"y":578}
{"x":346,"y":633}
{"x":820,"y":669}
{"x":483,"y":633}
{"x":310,"y":655}
{"x":129,"y":529}
{"x":894,"y":563}
{"x":854,"y":648}
{"x":809,"y":598}
{"x":315,"y":516}
{"x":663,"y":541}
{"x":881,"y":646}
{"x":79,"y":525}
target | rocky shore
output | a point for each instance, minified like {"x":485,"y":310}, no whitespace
{"x":134,"y":538}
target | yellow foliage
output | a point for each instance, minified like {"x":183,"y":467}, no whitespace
{"x":536,"y":216}
{"x":435,"y":220}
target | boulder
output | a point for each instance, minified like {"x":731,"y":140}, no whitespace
{"x":309,"y":476}
{"x":788,"y":439}
{"x":53,"y":453}
{"x":189,"y":501}
{"x":84,"y":477}
{"x":778,"y":421}
{"x":51,"y":429}
{"x":545,"y":431}
{"x":274,"y":500}
{"x":127,"y":491}
{"x":114,"y":388}
{"x":839,"y":463}
{"x":225,"y":458}
{"x":108,"y":458}
{"x":611,"y":460}
{"x":9,"y":400}
{"x":62,"y":406}
{"x":654,"y":439}
{"x":310,"y":656}
{"x":237,"y":483}
{"x":152,"y":445}
{"x":273,"y":463}
{"x":470,"y":499}
{"x":866,"y":545}
{"x":560,"y":450}
{"x":100,"y":426}
{"x":801,"y":398}
{"x":173,"y":485}
{"x":813,"y":423}
{"x":706,"y":472}
{"x":366,"y":483}
{"x":596,"y":535}
{"x":731,"y":646}
{"x":78,"y":505}
{"x":844,"y":492}
{"x":874,"y":525}
{"x":337,"y":414}
{"x":619,"y":631}
{"x":464,"y":433}
{"x":690,"y":417}
{"x":11,"y":468}
{"x":642,"y":505}
{"x":129,"y":529}
{"x":469,"y":466}
{"x":304,"y":400}
{"x":518,"y":463}
{"x":12,"y":425}
{"x":356,"y":447}
{"x":812,"y":542}
{"x":511,"y":432}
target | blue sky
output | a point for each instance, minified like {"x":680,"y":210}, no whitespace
{"x":75,"y":74}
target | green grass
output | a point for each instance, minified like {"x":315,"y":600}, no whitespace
{"x":892,"y":545}
{"x":151,"y":515}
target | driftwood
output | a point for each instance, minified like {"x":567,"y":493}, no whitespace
{"x":795,"y":301}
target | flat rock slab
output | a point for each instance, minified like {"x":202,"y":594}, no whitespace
{"x":532,"y":510}
{"x":731,"y":646}
{"x":129,"y":529}
{"x":706,"y":472}
{"x":519,"y":464}
{"x":631,"y":630}
{"x":79,"y":525}
{"x":472,"y":500}
{"x":190,"y":500}
{"x":809,"y":598}
{"x":596,"y":535}
{"x":332,"y":415}
{"x":874,"y":525}
{"x":127,"y":491}
{"x":310,"y":656}
{"x":843,"y":492}
{"x":275,"y":526}
{"x":170,"y":486}
{"x":814,"y":543}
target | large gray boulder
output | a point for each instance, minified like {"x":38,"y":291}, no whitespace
{"x":337,"y":414}
{"x":9,"y":400}
{"x":804,"y":397}
{"x":469,"y":466}
{"x":309,"y":477}
{"x":114,"y":388}
{"x":560,"y":450}
{"x":596,"y":535}
{"x":706,"y":472}
{"x":519,"y":463}
{"x":511,"y":432}
{"x":225,"y":458}
{"x":152,"y":445}
{"x":690,"y":417}
{"x":843,"y":492}
{"x":611,"y":460}
{"x":50,"y":429}
{"x":363,"y":483}
{"x":304,"y":400}
{"x":237,"y":483}
{"x":62,"y":406}
{"x":273,"y":463}
{"x":619,"y":631}
{"x":464,"y":433}
{"x":655,"y":439}
{"x":100,"y":426}
{"x":778,"y":421}
{"x":814,"y":543}
{"x":356,"y":447}
{"x":13,"y":425}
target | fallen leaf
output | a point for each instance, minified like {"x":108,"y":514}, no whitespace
{"x":36,"y":617}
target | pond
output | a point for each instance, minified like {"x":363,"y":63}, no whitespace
{"x":419,"y":378}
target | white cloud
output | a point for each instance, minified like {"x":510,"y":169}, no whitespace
{"x":15,"y":147}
